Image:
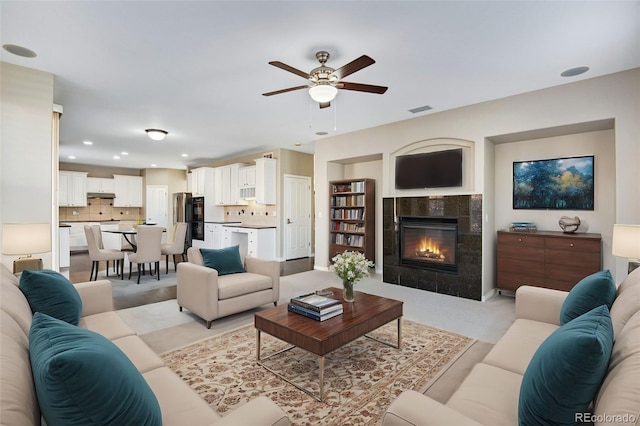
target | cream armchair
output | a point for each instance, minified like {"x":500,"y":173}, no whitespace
{"x":210,"y":296}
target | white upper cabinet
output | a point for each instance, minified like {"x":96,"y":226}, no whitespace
{"x":204,"y":184}
{"x":228,"y":192}
{"x":201,"y":181}
{"x":247,"y":182}
{"x":72,"y":189}
{"x":265,"y":180}
{"x":128,"y":190}
{"x":100,"y":185}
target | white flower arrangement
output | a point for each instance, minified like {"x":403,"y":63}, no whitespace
{"x":351,"y":266}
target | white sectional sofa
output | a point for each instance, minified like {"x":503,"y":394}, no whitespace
{"x":490,"y":393}
{"x":179,"y":404}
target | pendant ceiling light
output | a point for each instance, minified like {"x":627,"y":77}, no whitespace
{"x":156,"y":134}
{"x":323,"y":93}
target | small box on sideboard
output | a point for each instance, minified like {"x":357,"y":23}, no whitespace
{"x":548,"y":259}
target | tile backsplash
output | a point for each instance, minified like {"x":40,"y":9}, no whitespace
{"x":99,"y":209}
{"x":252,"y":214}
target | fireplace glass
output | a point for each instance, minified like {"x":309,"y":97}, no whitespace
{"x":429,"y":243}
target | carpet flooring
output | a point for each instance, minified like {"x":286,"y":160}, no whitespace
{"x":361,"y":379}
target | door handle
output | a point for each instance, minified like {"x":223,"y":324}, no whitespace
{"x":289,"y":222}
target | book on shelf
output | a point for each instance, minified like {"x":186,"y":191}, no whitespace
{"x":315,"y":302}
{"x":292,"y":307}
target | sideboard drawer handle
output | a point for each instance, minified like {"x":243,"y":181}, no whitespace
{"x":519,"y":240}
{"x":571,"y":245}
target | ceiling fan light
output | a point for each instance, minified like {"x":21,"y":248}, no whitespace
{"x":156,"y":134}
{"x":323,"y":93}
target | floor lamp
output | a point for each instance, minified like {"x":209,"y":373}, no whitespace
{"x":26,"y":239}
{"x":626,"y":243}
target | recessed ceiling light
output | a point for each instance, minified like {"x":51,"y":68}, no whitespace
{"x":124,"y":153}
{"x":185,"y":155}
{"x":572,"y":72}
{"x":154,"y":165}
{"x":87,"y":143}
{"x":19,"y":50}
{"x":72,"y":157}
{"x":116,"y":157}
{"x":322,"y":133}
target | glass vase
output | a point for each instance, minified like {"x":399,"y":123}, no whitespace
{"x":347,"y":291}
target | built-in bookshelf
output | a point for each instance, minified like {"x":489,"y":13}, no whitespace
{"x":352,"y":217}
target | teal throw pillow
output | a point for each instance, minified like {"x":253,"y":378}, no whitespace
{"x":51,"y":293}
{"x":566,"y":371}
{"x":81,"y":378}
{"x":226,"y":260}
{"x":590,"y":292}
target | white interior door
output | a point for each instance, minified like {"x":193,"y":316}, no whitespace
{"x":157,"y":205}
{"x":297,"y":216}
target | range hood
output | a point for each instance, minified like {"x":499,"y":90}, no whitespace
{"x":101,"y":195}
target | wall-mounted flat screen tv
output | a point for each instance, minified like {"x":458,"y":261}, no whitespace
{"x":440,"y":169}
{"x":556,"y":184}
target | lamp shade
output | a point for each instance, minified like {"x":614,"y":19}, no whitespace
{"x":323,"y":93}
{"x":26,"y":238}
{"x":156,"y":134}
{"x":626,"y":241}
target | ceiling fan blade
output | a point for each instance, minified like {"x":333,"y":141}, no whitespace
{"x":324,"y":104}
{"x":353,"y":66}
{"x":290,"y":89}
{"x":359,"y":87}
{"x":289,"y":68}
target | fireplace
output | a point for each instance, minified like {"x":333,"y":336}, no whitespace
{"x":429,"y":243}
{"x":462,"y":276}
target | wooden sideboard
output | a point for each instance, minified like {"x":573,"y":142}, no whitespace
{"x":546,"y":259}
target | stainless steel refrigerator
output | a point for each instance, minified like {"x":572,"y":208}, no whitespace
{"x":190,"y":210}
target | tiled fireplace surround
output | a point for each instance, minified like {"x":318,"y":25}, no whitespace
{"x":467,"y":209}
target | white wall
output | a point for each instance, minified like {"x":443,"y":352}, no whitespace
{"x":26,"y":151}
{"x":599,"y":144}
{"x":610,"y":97}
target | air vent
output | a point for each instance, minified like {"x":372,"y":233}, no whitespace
{"x":420,"y":109}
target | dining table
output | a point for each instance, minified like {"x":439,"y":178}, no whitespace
{"x":126,"y":233}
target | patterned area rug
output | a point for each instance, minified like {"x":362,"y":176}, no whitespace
{"x":361,"y":379}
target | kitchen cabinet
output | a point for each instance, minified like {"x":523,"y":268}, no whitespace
{"x":201,"y":180}
{"x":100,"y":185}
{"x":253,"y":242}
{"x":205,"y":181}
{"x":72,"y":189}
{"x":247,"y":182}
{"x":217,"y":186}
{"x":228,"y":192}
{"x":214,"y":235}
{"x":128,"y":191}
{"x":266,"y":180}
{"x":546,"y":259}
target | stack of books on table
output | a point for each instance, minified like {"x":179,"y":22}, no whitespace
{"x":314,"y":306}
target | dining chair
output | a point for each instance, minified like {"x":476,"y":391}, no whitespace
{"x":97,"y":253}
{"x":176,"y":247}
{"x":124,"y":244}
{"x":148,"y":250}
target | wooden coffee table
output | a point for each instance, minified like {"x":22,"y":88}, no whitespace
{"x":366,"y":314}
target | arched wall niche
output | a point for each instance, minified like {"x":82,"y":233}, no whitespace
{"x":434,"y":145}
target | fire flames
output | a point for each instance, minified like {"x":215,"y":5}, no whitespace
{"x":429,"y":249}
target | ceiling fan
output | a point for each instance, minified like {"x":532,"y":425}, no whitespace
{"x":325,"y":81}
